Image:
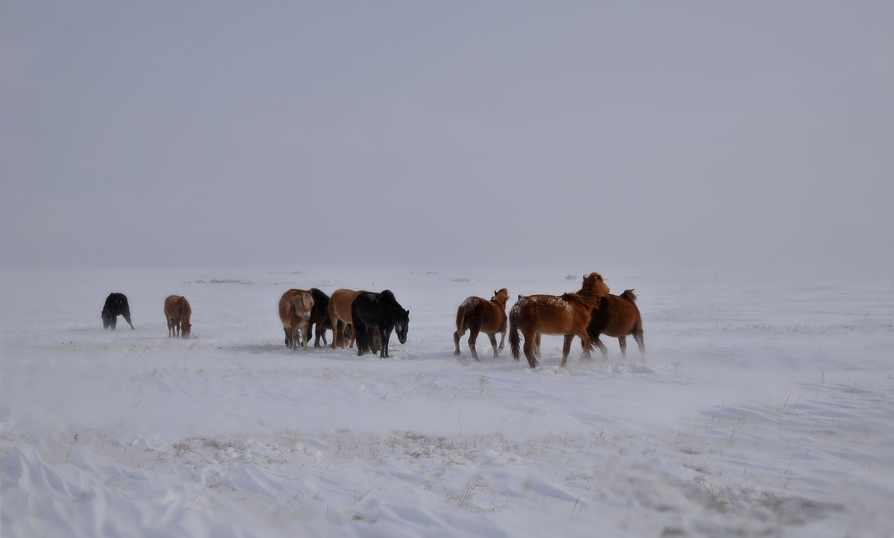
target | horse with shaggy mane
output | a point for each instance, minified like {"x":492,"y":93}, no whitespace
{"x":567,"y":314}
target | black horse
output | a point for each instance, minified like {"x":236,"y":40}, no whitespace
{"x":319,"y":317}
{"x":116,"y":305}
{"x":371,"y":311}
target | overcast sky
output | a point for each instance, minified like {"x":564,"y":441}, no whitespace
{"x":156,"y":134}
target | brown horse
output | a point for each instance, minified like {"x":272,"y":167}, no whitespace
{"x":340,"y":315}
{"x":477,"y":315}
{"x":294,"y":312}
{"x":617,"y":316}
{"x":567,"y":314}
{"x":177,"y":314}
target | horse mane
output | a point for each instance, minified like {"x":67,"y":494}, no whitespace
{"x":592,"y":290}
{"x":387,"y":295}
{"x":578,"y":298}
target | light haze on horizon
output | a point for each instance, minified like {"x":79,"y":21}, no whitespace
{"x":166,"y":134}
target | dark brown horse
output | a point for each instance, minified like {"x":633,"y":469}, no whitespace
{"x":340,"y":315}
{"x":567,"y":314}
{"x":477,"y":315}
{"x":377,"y":315}
{"x":294,"y":311}
{"x":319,"y":317}
{"x":617,"y":316}
{"x":116,"y":305}
{"x":177,"y":314}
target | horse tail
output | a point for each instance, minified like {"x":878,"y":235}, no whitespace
{"x":629,"y":295}
{"x":460,"y":320}
{"x":514,"y":342}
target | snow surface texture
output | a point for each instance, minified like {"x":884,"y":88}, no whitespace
{"x":764,"y":407}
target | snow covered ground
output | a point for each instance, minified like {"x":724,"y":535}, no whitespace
{"x":764,"y":407}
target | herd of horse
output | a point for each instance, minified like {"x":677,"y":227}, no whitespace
{"x":368,"y":319}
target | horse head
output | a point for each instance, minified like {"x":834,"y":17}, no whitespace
{"x":594,"y":285}
{"x":402,"y":326}
{"x":501,"y":297}
{"x":304,"y":303}
{"x":185,"y":328}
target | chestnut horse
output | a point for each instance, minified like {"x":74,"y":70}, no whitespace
{"x":380,"y":313}
{"x":617,"y":316}
{"x":177,"y":314}
{"x":567,"y":314}
{"x":477,"y":315}
{"x":340,"y":315}
{"x":294,"y":311}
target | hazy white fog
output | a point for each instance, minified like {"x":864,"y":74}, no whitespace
{"x":229,"y":133}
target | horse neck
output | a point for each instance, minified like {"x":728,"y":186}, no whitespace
{"x":589,"y":296}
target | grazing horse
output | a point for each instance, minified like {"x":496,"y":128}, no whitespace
{"x":340,"y":315}
{"x":567,"y":314}
{"x":381,"y":311}
{"x":478,"y":315}
{"x":116,"y":305}
{"x":319,"y":317}
{"x":177,"y":314}
{"x":617,"y":316}
{"x":294,"y":311}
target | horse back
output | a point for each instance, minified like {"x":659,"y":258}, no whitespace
{"x":493,"y":316}
{"x":177,"y":307}
{"x":551,"y":314}
{"x":378,"y":309}
{"x":116,"y":304}
{"x":487,"y":316}
{"x":616,"y":315}
{"x":340,"y":304}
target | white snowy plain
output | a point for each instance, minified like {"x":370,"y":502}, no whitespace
{"x":764,"y":406}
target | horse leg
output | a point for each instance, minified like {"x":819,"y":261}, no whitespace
{"x":337,"y":335}
{"x":566,"y":348}
{"x":493,"y":344}
{"x":473,"y":338}
{"x":586,"y":342}
{"x":352,"y":338}
{"x":300,"y":331}
{"x":360,"y":333}
{"x":502,"y":338}
{"x":375,"y":339}
{"x":386,"y":336}
{"x":529,"y":349}
{"x":456,"y":336}
{"x":288,"y":334}
{"x":114,"y":322}
{"x":602,"y":348}
{"x":622,"y":341}
{"x":127,"y":319}
{"x":638,"y":336}
{"x":319,"y":332}
{"x":537,"y":346}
